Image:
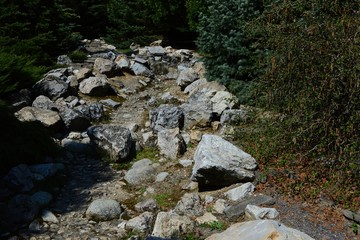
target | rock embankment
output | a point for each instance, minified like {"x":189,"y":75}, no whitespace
{"x":169,"y":171}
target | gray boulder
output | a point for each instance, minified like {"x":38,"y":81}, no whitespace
{"x":20,"y":209}
{"x":42,"y":198}
{"x":140,"y":172}
{"x":43,"y":102}
{"x":220,"y":163}
{"x":260,"y":229}
{"x":190,"y":205}
{"x":207,"y":89}
{"x":49,"y":217}
{"x":20,"y":178}
{"x":52,"y":86}
{"x":96,"y":86}
{"x":74,"y":120}
{"x":194,"y":85}
{"x":141,"y":223}
{"x":110,"y":103}
{"x":46,"y":170}
{"x":82,"y":73}
{"x":141,"y":70}
{"x":237,"y":210}
{"x":48,"y":118}
{"x":233,"y":116}
{"x":156,"y":50}
{"x":93,"y":111}
{"x":166,"y":116}
{"x":354,"y":216}
{"x":171,"y":143}
{"x":76,"y":146}
{"x":115,"y":140}
{"x":61,"y":73}
{"x":197,"y":114}
{"x":186,"y":76}
{"x":240,"y":192}
{"x":253,"y":212}
{"x":146,"y":205}
{"x":122,"y":62}
{"x":160,"y":68}
{"x":172,"y":225}
{"x":64,"y":60}
{"x":221,"y":101}
{"x":106,"y":67}
{"x":103,"y":210}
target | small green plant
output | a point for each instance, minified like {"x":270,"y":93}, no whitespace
{"x":163,"y":199}
{"x":210,"y":209}
{"x":190,"y":237}
{"x":78,"y":56}
{"x":215,"y":225}
{"x":355,"y":228}
{"x":150,"y":153}
{"x":121,"y":166}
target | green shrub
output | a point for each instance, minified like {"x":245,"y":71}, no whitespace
{"x":17,"y":72}
{"x":78,"y":56}
{"x":226,"y":45}
{"x":311,"y":76}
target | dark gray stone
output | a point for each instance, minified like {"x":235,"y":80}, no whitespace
{"x":93,"y":112}
{"x":190,"y":205}
{"x":237,"y":210}
{"x":141,"y":70}
{"x":233,"y":116}
{"x":74,"y":120}
{"x":52,"y":86}
{"x":146,"y":205}
{"x":166,"y":117}
{"x":113,"y":139}
{"x":186,"y":77}
{"x":106,"y":66}
{"x":355,"y":216}
{"x":42,"y":198}
{"x":43,"y":102}
{"x":156,"y":50}
{"x":46,"y":170}
{"x":20,"y":178}
{"x":20,"y":209}
{"x":64,"y":60}
{"x":110,"y":103}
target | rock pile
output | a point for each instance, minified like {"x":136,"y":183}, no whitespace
{"x":156,"y":100}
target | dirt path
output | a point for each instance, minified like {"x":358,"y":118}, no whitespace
{"x":88,"y":178}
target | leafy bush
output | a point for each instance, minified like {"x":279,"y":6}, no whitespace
{"x":78,"y":56}
{"x":227,"y":47}
{"x":17,"y":72}
{"x":311,"y":75}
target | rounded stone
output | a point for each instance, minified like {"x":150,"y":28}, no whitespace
{"x":103,"y":210}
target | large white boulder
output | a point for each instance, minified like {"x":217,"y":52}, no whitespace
{"x":260,"y":229}
{"x":220,"y":163}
